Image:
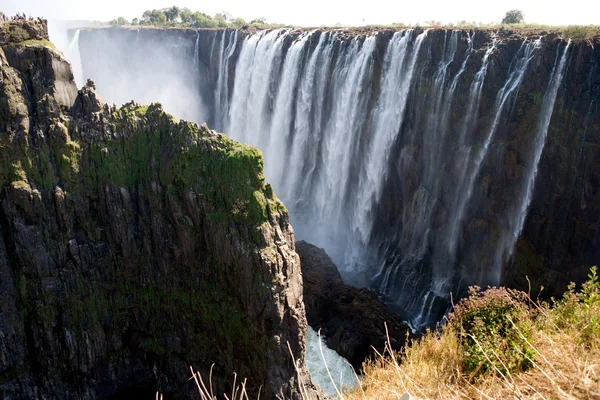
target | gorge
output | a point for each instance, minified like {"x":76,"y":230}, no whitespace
{"x":422,"y":160}
{"x":135,"y":245}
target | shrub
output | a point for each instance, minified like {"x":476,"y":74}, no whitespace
{"x":492,"y":331}
{"x":579,"y":312}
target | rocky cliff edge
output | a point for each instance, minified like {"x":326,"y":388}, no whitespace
{"x":133,"y":245}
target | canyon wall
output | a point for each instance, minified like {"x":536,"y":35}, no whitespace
{"x":423,"y":161}
{"x":133,"y":246}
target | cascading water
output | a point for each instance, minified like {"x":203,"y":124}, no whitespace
{"x":75,"y":58}
{"x":506,"y":247}
{"x":328,"y":146}
{"x":228,"y":42}
{"x":389,"y":148}
{"x":196,"y":49}
{"x":516,"y":73}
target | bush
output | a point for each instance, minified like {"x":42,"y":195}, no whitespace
{"x":492,"y":331}
{"x":579,"y":312}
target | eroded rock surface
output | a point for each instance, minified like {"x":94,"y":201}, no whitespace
{"x":133,"y":246}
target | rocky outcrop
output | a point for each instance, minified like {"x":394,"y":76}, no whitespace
{"x":133,"y":246}
{"x":353,"y":320}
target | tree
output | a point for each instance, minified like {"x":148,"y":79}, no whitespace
{"x":171,"y":13}
{"x":221,"y":20}
{"x":119,"y":21}
{"x":186,"y":16}
{"x":259,"y":21}
{"x":513,"y":17}
{"x":238,"y":23}
{"x":154,"y":17}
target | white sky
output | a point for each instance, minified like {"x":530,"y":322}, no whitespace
{"x":325,"y":12}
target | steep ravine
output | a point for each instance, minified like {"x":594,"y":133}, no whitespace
{"x":133,"y":246}
{"x":422,"y":161}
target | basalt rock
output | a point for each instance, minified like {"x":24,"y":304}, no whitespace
{"x":353,"y":320}
{"x":133,"y":246}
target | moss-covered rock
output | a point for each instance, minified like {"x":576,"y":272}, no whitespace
{"x":133,"y":246}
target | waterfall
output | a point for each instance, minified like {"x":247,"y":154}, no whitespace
{"x":389,"y":149}
{"x":399,"y":66}
{"x":507,"y":248}
{"x":516,"y":73}
{"x":307,"y":123}
{"x":222,"y":89}
{"x":308,"y":101}
{"x":196,"y":49}
{"x":460,"y":200}
{"x":75,"y":58}
{"x":257,"y":67}
{"x":350,"y":94}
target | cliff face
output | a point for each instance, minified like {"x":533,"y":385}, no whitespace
{"x":133,"y":246}
{"x":422,"y":161}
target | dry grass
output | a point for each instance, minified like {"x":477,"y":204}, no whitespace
{"x":565,"y":340}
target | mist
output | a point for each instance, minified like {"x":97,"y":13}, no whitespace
{"x":129,"y":69}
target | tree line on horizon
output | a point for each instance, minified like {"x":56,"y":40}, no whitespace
{"x":184,"y":17}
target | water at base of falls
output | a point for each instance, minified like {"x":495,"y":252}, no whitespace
{"x":318,"y":363}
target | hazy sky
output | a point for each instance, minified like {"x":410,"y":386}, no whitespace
{"x":325,"y":12}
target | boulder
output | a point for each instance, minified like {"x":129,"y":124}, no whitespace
{"x":352,"y":320}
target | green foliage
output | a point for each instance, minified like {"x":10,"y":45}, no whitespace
{"x":228,"y":176}
{"x":493,"y":331}
{"x":171,"y":13}
{"x":578,"y":33}
{"x":119,"y":21}
{"x":513,"y":17}
{"x":154,"y":17}
{"x":15,"y":32}
{"x":42,"y":42}
{"x":259,"y":21}
{"x":580,"y":311}
{"x":184,"y":17}
{"x":238,"y":23}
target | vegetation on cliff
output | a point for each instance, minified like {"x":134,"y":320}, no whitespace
{"x":499,"y":343}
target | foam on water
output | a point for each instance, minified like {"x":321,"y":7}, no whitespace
{"x":321,"y":358}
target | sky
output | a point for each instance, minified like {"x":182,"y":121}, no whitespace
{"x":324,"y":12}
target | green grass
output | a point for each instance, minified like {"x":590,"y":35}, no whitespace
{"x":43,"y":42}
